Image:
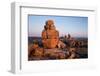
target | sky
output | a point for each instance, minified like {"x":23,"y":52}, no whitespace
{"x":74,"y":25}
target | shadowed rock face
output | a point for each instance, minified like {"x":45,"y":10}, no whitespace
{"x":50,"y":36}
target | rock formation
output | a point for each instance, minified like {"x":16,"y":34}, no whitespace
{"x":55,"y":47}
{"x":50,"y":36}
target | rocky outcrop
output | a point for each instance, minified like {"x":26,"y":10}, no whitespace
{"x":50,"y":36}
{"x":54,"y":47}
